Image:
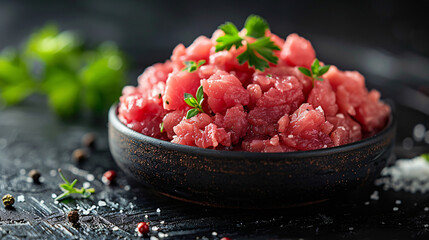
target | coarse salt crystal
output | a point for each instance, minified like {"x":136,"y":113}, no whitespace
{"x":374,"y":195}
{"x":102,"y":203}
{"x":115,"y":228}
{"x":395,"y":209}
{"x":155,"y":228}
{"x":158,"y":210}
{"x":86,"y":184}
{"x":90,"y":177}
{"x":398,"y":202}
{"x":290,"y":136}
{"x":20,"y":198}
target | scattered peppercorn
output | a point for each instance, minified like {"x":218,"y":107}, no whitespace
{"x":73,"y":216}
{"x":88,"y":140}
{"x":79,"y":155}
{"x":8,"y":200}
{"x":143,"y":228}
{"x":108,"y":177}
{"x":35,"y":175}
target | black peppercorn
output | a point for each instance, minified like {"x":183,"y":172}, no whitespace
{"x":88,"y":140}
{"x":8,"y":200}
{"x":35,"y":175}
{"x":73,"y":216}
{"x":79,"y":155}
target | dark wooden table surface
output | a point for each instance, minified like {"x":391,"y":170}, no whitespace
{"x":32,"y":138}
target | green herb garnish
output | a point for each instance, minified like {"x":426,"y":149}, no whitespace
{"x":195,"y":103}
{"x":57,"y":64}
{"x":192,"y":66}
{"x":161,"y":127}
{"x":68,"y":188}
{"x":257,"y":54}
{"x":425,"y":156}
{"x":316,"y":70}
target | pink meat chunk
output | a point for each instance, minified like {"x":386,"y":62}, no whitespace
{"x":305,"y":129}
{"x":179,"y":83}
{"x":322,"y":95}
{"x":224,"y":90}
{"x":372,"y":113}
{"x":201,"y":132}
{"x":297,"y":51}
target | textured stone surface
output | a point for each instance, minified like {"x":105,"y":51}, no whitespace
{"x":31,"y":138}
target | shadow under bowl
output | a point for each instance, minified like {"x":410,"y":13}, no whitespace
{"x":246,"y":179}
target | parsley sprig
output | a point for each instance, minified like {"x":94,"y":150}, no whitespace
{"x":258,"y":53}
{"x":316,"y":70}
{"x":192,"y":66}
{"x":195,"y":103}
{"x":68,"y":189}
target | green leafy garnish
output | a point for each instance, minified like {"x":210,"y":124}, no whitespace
{"x":425,"y":156}
{"x":56,"y":64}
{"x":161,"y":127}
{"x":256,"y":26}
{"x":68,"y":189}
{"x":195,"y":103}
{"x":258,"y":53}
{"x":192,"y":66}
{"x":316,"y":71}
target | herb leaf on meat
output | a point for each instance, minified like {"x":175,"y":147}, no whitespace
{"x":258,"y":53}
{"x":195,"y":103}
{"x":316,"y":71}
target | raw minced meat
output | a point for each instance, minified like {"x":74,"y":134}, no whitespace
{"x":278,"y":110}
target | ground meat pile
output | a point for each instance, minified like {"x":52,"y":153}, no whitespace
{"x":278,"y":110}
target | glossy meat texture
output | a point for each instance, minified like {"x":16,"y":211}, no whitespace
{"x":278,"y":110}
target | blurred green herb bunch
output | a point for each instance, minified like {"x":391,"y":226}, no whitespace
{"x":58,"y":65}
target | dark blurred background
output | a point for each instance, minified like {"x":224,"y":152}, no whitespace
{"x":149,"y":30}
{"x":385,"y":40}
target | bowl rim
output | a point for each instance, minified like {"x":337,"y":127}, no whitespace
{"x":116,"y":123}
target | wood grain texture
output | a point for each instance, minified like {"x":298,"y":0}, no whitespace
{"x":30,"y":137}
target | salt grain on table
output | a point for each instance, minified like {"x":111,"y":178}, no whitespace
{"x":374,"y":195}
{"x":20,"y":198}
{"x":102,"y":203}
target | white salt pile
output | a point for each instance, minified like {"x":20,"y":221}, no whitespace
{"x":410,"y":175}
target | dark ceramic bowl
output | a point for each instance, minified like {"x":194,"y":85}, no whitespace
{"x":244,"y":179}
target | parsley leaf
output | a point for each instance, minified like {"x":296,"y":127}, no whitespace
{"x":316,"y":71}
{"x":192,"y":66}
{"x":256,"y":26}
{"x":195,"y":103}
{"x":231,"y":37}
{"x":258,"y":53}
